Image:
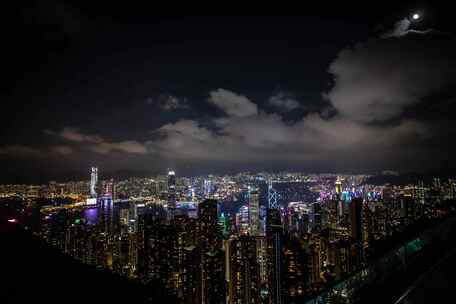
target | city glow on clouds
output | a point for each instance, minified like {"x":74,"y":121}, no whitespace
{"x":377,"y":80}
{"x":375,"y":84}
{"x":73,"y":134}
{"x":232,"y":104}
{"x":266,"y":136}
{"x":128,"y":146}
{"x":283,"y":103}
{"x":97,"y":143}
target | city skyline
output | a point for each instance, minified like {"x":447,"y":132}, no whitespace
{"x":246,"y":238}
{"x":226,"y":94}
{"x":149,"y":157}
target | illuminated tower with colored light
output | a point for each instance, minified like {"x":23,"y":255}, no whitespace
{"x":93,"y":182}
{"x":338,"y":186}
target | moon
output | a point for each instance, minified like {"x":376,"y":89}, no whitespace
{"x":416,"y":16}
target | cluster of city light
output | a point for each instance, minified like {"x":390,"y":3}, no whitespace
{"x":233,"y":226}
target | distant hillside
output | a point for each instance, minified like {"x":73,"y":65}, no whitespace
{"x":405,"y":179}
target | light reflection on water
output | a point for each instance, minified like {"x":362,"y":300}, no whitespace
{"x":91,"y":216}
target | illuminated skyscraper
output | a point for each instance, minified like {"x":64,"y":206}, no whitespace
{"x":171,"y":193}
{"x":368,"y":226}
{"x":436,"y":183}
{"x":244,"y":272}
{"x":296,"y":273}
{"x":224,"y":224}
{"x":242,"y":221}
{"x":93,"y":182}
{"x":209,"y":228}
{"x":207,"y":188}
{"x":109,"y":189}
{"x":124,"y":220}
{"x":452,"y":190}
{"x":408,"y":208}
{"x":421,"y":191}
{"x":272,"y":196}
{"x":315,"y":261}
{"x":338,"y":186}
{"x":274,"y":234}
{"x":254,"y":211}
{"x":316,"y":216}
{"x":212,"y":255}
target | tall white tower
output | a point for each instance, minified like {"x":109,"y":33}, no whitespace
{"x":93,"y":182}
{"x":272,"y":196}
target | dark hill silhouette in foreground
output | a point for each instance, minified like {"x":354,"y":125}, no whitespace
{"x":34,"y":272}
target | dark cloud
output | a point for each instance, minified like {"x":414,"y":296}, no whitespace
{"x":59,"y":19}
{"x":62,"y":150}
{"x":167,"y":102}
{"x":97,"y":143}
{"x":20,"y":151}
{"x":23,"y":151}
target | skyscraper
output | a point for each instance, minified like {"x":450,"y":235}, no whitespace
{"x":207,"y":188}
{"x":171,"y":193}
{"x":244,"y":272}
{"x":356,"y":206}
{"x":316,"y":216}
{"x":338,"y":186}
{"x":272,"y":196}
{"x":93,"y":182}
{"x":295,"y":270}
{"x":109,"y":189}
{"x":254,"y":211}
{"x":212,"y":255}
{"x":355,"y":219}
{"x":274,"y":236}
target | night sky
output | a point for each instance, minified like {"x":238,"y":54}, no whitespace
{"x":346,"y":89}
